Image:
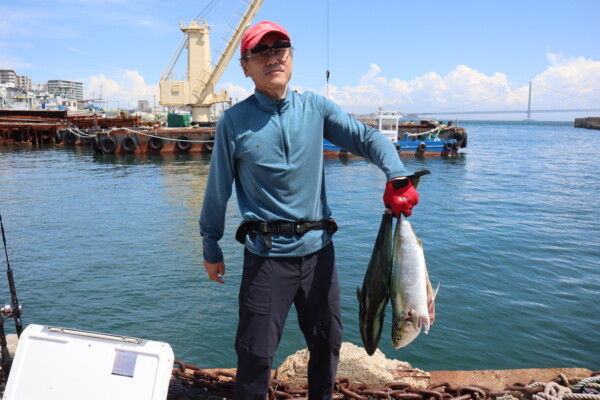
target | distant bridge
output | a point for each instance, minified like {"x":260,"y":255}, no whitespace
{"x":528,"y":111}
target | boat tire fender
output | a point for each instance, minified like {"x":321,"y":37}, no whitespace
{"x":155,"y":143}
{"x":210,"y":143}
{"x":59,"y":137}
{"x":448,"y":145}
{"x":70,"y":138}
{"x":108,"y":145}
{"x":95,"y":143}
{"x":422,"y":146}
{"x":183,"y":143}
{"x":128,"y":144}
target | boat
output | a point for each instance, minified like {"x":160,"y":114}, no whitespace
{"x":425,"y":138}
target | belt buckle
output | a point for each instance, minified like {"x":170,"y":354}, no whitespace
{"x":296,"y":228}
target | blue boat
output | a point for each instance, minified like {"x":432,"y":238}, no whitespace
{"x":426,"y":138}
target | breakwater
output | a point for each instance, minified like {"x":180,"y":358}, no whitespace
{"x":588,"y":123}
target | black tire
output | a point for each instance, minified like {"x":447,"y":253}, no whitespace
{"x":108,"y":145}
{"x":448,"y":145}
{"x":422,"y":146}
{"x":70,"y":138}
{"x":456,"y":145}
{"x":155,"y":144}
{"x":210,"y":144}
{"x":183,"y":144}
{"x":95,"y":143}
{"x":128,"y":144}
{"x":58,"y":138}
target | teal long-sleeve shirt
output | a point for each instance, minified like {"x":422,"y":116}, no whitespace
{"x":272,"y":149}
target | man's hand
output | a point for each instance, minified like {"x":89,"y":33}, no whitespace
{"x":400,"y":196}
{"x":215,"y":271}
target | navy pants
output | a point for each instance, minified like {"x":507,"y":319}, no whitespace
{"x":270,"y":285}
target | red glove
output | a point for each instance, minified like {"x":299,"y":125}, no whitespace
{"x":400,"y":196}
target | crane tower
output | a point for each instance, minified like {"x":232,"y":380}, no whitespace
{"x":196,"y":88}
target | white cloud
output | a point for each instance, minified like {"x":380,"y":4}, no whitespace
{"x":566,"y":83}
{"x":125,"y":89}
{"x":570,"y":83}
{"x":236,"y":93}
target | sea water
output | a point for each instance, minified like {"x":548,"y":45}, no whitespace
{"x":510,"y":228}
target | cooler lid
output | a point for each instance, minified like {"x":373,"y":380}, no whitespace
{"x":56,"y":363}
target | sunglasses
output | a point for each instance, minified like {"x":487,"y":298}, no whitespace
{"x":263,"y":52}
{"x":280,"y":44}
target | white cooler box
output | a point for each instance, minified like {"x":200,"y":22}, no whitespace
{"x":54,"y":363}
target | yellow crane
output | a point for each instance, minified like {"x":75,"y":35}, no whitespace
{"x":196,"y":87}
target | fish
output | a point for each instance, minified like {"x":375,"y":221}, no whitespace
{"x":375,"y":293}
{"x":411,"y":293}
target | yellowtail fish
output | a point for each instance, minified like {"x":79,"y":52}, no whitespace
{"x":375,"y":293}
{"x":411,"y":294}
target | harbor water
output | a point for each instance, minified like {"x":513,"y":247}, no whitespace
{"x":510,"y":228}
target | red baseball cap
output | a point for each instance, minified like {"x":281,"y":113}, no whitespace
{"x":254,"y":34}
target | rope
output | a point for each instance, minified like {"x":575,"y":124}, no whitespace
{"x":555,"y":391}
{"x":79,"y":133}
{"x":436,"y":131}
{"x":591,"y":382}
{"x":167,"y":138}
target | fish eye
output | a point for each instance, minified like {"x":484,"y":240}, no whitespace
{"x":398,"y":338}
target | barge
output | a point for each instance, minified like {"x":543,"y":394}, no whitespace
{"x":30,"y":126}
{"x":121,"y":135}
{"x":423,"y":139}
{"x":131,"y":135}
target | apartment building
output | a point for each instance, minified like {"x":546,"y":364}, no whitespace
{"x":66,"y":89}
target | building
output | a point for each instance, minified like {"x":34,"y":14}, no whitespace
{"x":8,"y":77}
{"x":66,"y":89}
{"x":24,"y":82}
{"x":143,"y":105}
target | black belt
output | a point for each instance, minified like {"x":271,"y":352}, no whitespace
{"x":281,"y":228}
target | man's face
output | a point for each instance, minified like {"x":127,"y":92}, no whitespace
{"x":272,"y":73}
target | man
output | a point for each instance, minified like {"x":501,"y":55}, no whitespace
{"x":270,"y":147}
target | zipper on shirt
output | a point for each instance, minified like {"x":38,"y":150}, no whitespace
{"x":284,"y":133}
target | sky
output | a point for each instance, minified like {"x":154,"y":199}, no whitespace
{"x":409,"y":56}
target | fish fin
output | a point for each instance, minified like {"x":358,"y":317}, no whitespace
{"x":421,"y":321}
{"x":431,"y":294}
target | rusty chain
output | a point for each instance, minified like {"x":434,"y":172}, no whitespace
{"x":220,"y":384}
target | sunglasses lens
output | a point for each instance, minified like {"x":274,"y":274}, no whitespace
{"x":259,"y":49}
{"x":280,"y":44}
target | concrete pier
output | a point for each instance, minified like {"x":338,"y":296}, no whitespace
{"x":588,"y":123}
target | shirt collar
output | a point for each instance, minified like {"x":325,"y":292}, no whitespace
{"x":271,"y":105}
